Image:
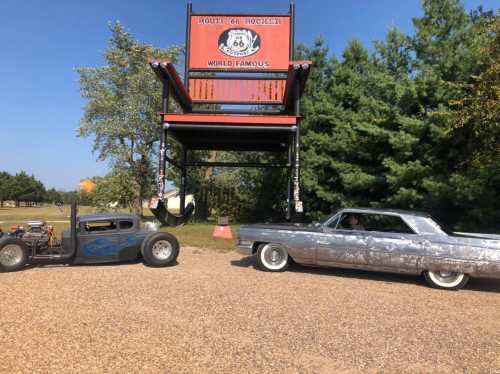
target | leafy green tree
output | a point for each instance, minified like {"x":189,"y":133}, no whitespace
{"x":53,"y":195}
{"x":112,"y":189}
{"x":477,"y":115}
{"x":5,"y":181}
{"x":355,"y":133}
{"x":446,"y":45}
{"x":23,"y":187}
{"x":377,"y":127}
{"x":123,"y":101}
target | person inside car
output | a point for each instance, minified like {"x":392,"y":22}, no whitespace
{"x":351,"y":222}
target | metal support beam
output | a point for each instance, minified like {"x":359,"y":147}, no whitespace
{"x":289,"y":179}
{"x":186,"y":52}
{"x":182,"y":203}
{"x":163,"y":145}
{"x":238,"y":111}
{"x":237,"y":164}
{"x":173,"y":162}
{"x":187,"y":126}
{"x":296,"y":178}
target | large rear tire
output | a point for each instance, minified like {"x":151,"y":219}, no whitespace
{"x":160,"y":249}
{"x":13,"y":254}
{"x":272,"y":257}
{"x":446,"y":280}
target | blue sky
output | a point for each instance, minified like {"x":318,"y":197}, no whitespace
{"x":42,"y":42}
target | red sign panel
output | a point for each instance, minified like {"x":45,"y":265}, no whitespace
{"x":239,"y":42}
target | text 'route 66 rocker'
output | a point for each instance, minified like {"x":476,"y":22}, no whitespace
{"x":241,"y":64}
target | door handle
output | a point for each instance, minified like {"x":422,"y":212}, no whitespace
{"x":322,"y":242}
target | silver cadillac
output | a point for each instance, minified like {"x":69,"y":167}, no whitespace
{"x":376,"y":239}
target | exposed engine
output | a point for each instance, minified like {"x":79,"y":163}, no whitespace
{"x":37,"y":235}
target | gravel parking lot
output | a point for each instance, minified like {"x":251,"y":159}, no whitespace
{"x":213,"y":312}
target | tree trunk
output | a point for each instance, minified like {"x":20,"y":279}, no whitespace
{"x":211,"y":158}
{"x":141,"y":183}
{"x":136,"y":204}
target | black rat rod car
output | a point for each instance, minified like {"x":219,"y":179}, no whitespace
{"x":91,"y":239}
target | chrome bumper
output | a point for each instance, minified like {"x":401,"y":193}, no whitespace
{"x":244,"y":248}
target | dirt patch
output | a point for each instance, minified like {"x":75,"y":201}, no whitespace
{"x":214,"y":312}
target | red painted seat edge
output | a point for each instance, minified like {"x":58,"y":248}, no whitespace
{"x":236,"y":119}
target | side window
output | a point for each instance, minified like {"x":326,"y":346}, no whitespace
{"x":372,"y":222}
{"x":126,"y":225}
{"x":351,"y":221}
{"x":386,"y":223}
{"x":99,"y":226}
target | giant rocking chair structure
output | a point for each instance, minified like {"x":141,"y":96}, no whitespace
{"x":242,"y":63}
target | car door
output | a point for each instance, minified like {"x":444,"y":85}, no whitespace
{"x":340,"y":246}
{"x":392,"y":244}
{"x":98,"y":241}
{"x":130,"y":239}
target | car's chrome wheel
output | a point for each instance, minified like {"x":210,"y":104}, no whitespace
{"x":446,"y":279}
{"x":273,"y":257}
{"x":162,"y":249}
{"x":11,"y":255}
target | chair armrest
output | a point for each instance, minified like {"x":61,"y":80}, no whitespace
{"x":166,"y":72}
{"x":297,"y":71}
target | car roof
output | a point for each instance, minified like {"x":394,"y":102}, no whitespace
{"x":386,"y":211}
{"x":108,"y":216}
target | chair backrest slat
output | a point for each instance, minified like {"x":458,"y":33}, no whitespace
{"x":227,"y":90}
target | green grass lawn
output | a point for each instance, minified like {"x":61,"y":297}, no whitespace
{"x":192,"y":234}
{"x":200,"y":235}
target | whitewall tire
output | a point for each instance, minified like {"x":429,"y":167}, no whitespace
{"x":446,"y":280}
{"x":273,"y":257}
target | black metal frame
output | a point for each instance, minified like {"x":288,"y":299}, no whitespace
{"x":293,"y":132}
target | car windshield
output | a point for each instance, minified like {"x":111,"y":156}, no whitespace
{"x":328,"y":218}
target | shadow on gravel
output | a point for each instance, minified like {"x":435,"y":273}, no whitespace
{"x":27,"y":267}
{"x":106,"y":264}
{"x":245,"y":262}
{"x":482,"y":285}
{"x":249,"y":261}
{"x":358,"y":274}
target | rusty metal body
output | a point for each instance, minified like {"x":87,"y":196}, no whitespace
{"x":427,"y":247}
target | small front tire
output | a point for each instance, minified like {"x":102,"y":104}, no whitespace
{"x":446,"y":280}
{"x":160,"y":249}
{"x":272,"y":257}
{"x":13,"y":254}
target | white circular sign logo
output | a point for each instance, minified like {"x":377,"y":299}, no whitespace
{"x":239,"y":42}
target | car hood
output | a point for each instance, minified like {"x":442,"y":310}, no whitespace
{"x":477,"y":235}
{"x":282,"y":226}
